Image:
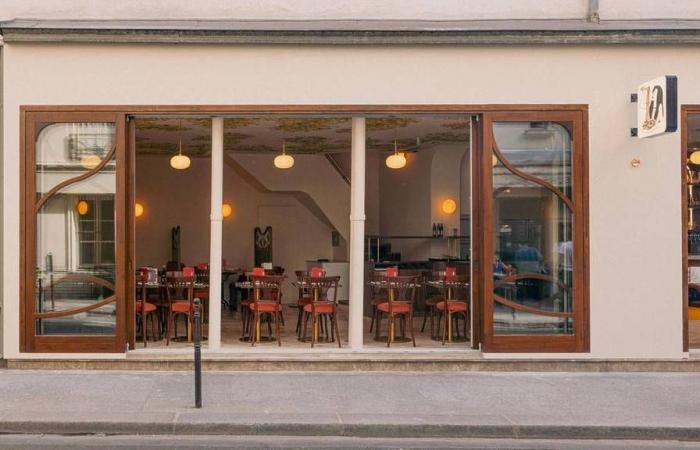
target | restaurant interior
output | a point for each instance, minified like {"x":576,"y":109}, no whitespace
{"x":286,"y":208}
{"x":693,"y":228}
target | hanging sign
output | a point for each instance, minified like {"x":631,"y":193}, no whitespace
{"x":657,"y":106}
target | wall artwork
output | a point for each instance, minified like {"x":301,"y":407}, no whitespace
{"x":263,"y":245}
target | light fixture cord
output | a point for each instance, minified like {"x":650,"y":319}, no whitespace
{"x":180,"y":137}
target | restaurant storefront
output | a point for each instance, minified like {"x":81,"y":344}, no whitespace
{"x":536,"y":192}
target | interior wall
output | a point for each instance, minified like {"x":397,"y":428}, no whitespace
{"x":173,"y":198}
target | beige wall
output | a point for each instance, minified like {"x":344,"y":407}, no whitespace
{"x":635,"y":230}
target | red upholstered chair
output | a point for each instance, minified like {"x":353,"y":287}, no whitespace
{"x":303,"y":299}
{"x":143,"y":309}
{"x":267,"y":300}
{"x":453,"y":305}
{"x":322,"y":305}
{"x":399,"y":303}
{"x":179,"y":291}
{"x":378,"y":295}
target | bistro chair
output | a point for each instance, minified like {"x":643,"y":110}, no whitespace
{"x":179,"y":291}
{"x":322,"y":306}
{"x":430,"y":311}
{"x":201,"y":277}
{"x":144,"y":309}
{"x":303,"y":299}
{"x":267,"y":300}
{"x":378,"y":295}
{"x":401,"y":293}
{"x":453,"y":307}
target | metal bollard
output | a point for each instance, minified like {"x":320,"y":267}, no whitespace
{"x":197,"y":354}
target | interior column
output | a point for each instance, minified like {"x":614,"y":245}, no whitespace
{"x":215,"y":238}
{"x":357,"y":234}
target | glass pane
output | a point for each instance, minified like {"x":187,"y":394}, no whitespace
{"x":533,"y":250}
{"x":74,"y":240}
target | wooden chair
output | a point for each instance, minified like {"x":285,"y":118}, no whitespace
{"x":399,"y":303}
{"x":430,"y":311}
{"x":322,"y":306}
{"x":303,"y":299}
{"x":201,"y":276}
{"x":379,"y":296}
{"x":452,"y":306}
{"x":267,"y":300}
{"x":144,"y":309}
{"x":179,"y":291}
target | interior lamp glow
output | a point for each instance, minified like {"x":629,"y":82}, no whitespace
{"x":82,"y":207}
{"x":89,"y":162}
{"x":226,"y":210}
{"x":695,"y":156}
{"x":494,"y":160}
{"x":180,"y":161}
{"x":283,"y":160}
{"x":449,"y":206}
{"x":397,"y":160}
{"x":138,"y":209}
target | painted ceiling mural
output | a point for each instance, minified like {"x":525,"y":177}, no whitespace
{"x":303,"y":135}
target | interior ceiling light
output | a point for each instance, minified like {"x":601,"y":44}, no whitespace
{"x":283,"y":160}
{"x":396,"y":160}
{"x":91,"y":161}
{"x":180,"y":161}
{"x":695,"y":156}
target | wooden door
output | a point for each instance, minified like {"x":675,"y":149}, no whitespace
{"x":532,"y":202}
{"x":73,"y":280}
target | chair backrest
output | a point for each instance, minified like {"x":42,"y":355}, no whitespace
{"x":459,"y":287}
{"x":404,"y":288}
{"x":201,"y":274}
{"x":267,"y":288}
{"x":143,"y":278}
{"x":301,"y":274}
{"x":179,"y":288}
{"x":320,"y":287}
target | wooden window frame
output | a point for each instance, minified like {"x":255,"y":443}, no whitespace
{"x":125,"y":139}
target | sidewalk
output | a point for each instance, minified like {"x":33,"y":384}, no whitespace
{"x":506,"y":405}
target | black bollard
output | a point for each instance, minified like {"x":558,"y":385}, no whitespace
{"x":197,"y":355}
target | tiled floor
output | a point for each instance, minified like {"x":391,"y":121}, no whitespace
{"x":231,"y":333}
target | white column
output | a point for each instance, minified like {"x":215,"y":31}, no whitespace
{"x":215,"y":236}
{"x":357,"y":234}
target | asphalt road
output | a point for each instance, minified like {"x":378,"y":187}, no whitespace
{"x":293,"y":442}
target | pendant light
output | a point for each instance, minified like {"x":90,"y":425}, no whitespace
{"x":397,"y":160}
{"x":283,"y":160}
{"x":180,"y":161}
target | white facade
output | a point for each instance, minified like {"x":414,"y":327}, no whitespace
{"x":635,"y":213}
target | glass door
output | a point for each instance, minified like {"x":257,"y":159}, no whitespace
{"x":73,"y":281}
{"x":533,"y":186}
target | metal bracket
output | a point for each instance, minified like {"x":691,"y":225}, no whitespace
{"x":633,"y":98}
{"x":633,"y":132}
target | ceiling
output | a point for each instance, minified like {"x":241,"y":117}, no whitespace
{"x":303,"y":135}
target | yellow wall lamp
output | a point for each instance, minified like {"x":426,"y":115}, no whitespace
{"x":449,"y":206}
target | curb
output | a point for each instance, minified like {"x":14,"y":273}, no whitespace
{"x":355,"y":430}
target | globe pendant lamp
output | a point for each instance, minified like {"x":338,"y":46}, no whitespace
{"x":283,"y":160}
{"x":397,"y":160}
{"x":180,"y":161}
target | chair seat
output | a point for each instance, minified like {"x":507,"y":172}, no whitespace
{"x":150,"y":307}
{"x":452,"y":306}
{"x":396,"y":307}
{"x":693,"y":313}
{"x":266,"y":306}
{"x":180,"y":307}
{"x":321,"y":308}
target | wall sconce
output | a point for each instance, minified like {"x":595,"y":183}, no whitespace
{"x":695,"y":156}
{"x":226,"y":210}
{"x":82,"y":207}
{"x":138,"y":209}
{"x":449,"y":206}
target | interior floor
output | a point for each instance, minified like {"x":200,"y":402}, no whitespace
{"x":231,"y":326}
